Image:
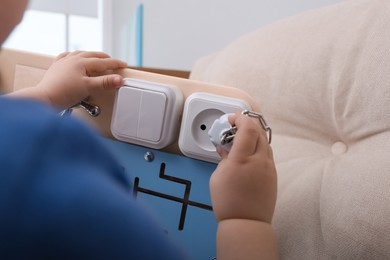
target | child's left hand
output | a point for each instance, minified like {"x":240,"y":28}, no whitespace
{"x":74,"y":75}
{"x":244,"y":185}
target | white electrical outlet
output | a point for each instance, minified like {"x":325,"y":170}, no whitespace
{"x":147,"y":113}
{"x":200,"y":112}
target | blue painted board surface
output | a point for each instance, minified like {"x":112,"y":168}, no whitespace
{"x":176,"y":188}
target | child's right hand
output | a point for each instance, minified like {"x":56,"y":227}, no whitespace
{"x":244,"y":184}
{"x":73,"y":77}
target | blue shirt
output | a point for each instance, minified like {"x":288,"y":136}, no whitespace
{"x":63,"y":195}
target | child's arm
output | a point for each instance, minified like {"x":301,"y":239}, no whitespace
{"x":243,"y":193}
{"x":72,"y":77}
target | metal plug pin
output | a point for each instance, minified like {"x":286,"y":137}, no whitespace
{"x":228,"y":136}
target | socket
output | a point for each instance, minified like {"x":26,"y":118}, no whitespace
{"x":200,"y":111}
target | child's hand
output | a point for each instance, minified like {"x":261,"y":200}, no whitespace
{"x":244,"y":184}
{"x":73,"y":76}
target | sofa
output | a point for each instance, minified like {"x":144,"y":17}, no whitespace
{"x":322,"y":79}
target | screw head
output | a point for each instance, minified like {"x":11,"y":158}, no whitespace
{"x":149,"y":156}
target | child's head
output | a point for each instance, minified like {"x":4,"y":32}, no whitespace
{"x":11,"y":13}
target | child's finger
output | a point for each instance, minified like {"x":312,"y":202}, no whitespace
{"x":105,"y":82}
{"x":246,"y":139}
{"x":263,"y":144}
{"x":222,"y":152}
{"x":260,"y":138}
{"x":93,"y":54}
{"x":232,"y":118}
{"x":62,"y":55}
{"x":75,"y":53}
{"x":97,"y":65}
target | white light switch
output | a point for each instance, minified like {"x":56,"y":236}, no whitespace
{"x":146,"y":113}
{"x":151,"y":119}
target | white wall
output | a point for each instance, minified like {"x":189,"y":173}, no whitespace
{"x":178,"y":32}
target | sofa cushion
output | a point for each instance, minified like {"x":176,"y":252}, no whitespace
{"x":322,"y":79}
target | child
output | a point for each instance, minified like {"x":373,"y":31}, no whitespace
{"x":62,"y":195}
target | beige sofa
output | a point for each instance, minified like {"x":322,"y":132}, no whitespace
{"x":322,"y":79}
